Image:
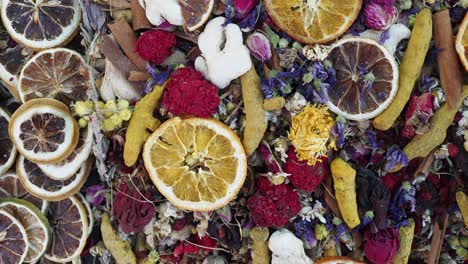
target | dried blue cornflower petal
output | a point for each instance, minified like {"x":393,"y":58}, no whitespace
{"x":395,"y":158}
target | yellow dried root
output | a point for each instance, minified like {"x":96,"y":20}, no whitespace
{"x":406,"y":240}
{"x":120,"y":249}
{"x":422,"y":145}
{"x":141,"y":123}
{"x":344,"y":180}
{"x":462,"y":201}
{"x":274,"y":103}
{"x":256,"y":123}
{"x":261,"y":253}
{"x":410,"y":69}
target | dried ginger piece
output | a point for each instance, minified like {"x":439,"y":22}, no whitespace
{"x":256,"y":123}
{"x":406,"y":240}
{"x":261,"y":253}
{"x":120,"y":249}
{"x":142,"y":121}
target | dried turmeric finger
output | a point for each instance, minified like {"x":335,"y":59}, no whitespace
{"x":274,"y":103}
{"x":120,"y":249}
{"x":406,"y":240}
{"x":410,"y":69}
{"x":261,"y":253}
{"x":256,"y":123}
{"x":422,"y":145}
{"x":462,"y":202}
{"x":141,"y":123}
{"x":344,"y":179}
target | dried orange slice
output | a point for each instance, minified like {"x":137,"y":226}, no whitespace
{"x":11,"y":187}
{"x":7,"y":148}
{"x":66,"y":169}
{"x":69,"y":224}
{"x":44,"y":131}
{"x":58,"y":73}
{"x":196,"y":12}
{"x":461,"y":42}
{"x":313,"y":21}
{"x":13,"y":56}
{"x":197,"y":164}
{"x":41,"y":24}
{"x":13,"y":239}
{"x":35,"y":223}
{"x":367,"y":78}
{"x":40,"y":185}
{"x":338,"y":260}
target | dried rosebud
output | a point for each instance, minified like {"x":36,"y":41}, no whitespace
{"x":244,"y":7}
{"x":259,"y":46}
{"x":380,"y":17}
{"x":381,"y":247}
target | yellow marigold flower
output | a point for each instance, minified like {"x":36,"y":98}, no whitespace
{"x":83,"y":107}
{"x":110,"y":105}
{"x":311,"y":133}
{"x":125,"y":114}
{"x":107,"y":125}
{"x":122,"y":104}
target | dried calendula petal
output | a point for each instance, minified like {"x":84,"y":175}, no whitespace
{"x":344,"y":177}
{"x":256,"y":123}
{"x":120,"y":249}
{"x":462,"y":201}
{"x":406,"y":240}
{"x":142,"y":121}
{"x":261,"y":253}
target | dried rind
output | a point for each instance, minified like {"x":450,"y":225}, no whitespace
{"x":14,"y":242}
{"x":7,"y":148}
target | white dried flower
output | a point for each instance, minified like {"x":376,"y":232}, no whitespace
{"x":295,"y":104}
{"x":316,"y":52}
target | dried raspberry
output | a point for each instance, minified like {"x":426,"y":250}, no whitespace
{"x":155,"y":45}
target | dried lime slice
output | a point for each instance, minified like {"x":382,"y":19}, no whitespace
{"x":7,"y":148}
{"x":13,"y":239}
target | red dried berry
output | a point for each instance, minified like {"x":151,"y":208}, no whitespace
{"x":155,"y":45}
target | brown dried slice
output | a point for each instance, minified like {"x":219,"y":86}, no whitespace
{"x":44,"y":131}
{"x":367,"y":78}
{"x":11,"y":187}
{"x":34,"y":222}
{"x":13,"y":56}
{"x":13,"y":239}
{"x":7,"y":148}
{"x":40,"y":185}
{"x":58,"y":73}
{"x":67,"y":168}
{"x":196,"y":12}
{"x":41,"y":24}
{"x":69,"y":224}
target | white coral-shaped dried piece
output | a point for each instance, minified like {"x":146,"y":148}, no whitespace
{"x":224,"y":55}
{"x":158,"y":11}
{"x":287,"y":248}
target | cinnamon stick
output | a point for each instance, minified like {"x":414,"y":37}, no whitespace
{"x":329,"y":197}
{"x":425,"y":165}
{"x":139,"y":19}
{"x":437,"y":238}
{"x":138,"y":76}
{"x":114,"y":54}
{"x":125,"y":36}
{"x":449,"y":68}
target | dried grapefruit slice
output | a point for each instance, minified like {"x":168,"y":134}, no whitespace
{"x":44,"y":131}
{"x":41,"y":24}
{"x":40,"y":185}
{"x":313,"y":21}
{"x":67,"y":168}
{"x":367,"y":78}
{"x":58,"y":73}
{"x":197,"y":164}
{"x":7,"y":148}
{"x":69,"y":224}
{"x":11,"y":187}
{"x":13,"y":239}
{"x":461,"y":42}
{"x":34,"y":222}
{"x":196,"y":12}
{"x":13,"y":56}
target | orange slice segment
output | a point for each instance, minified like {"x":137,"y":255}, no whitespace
{"x":196,"y":12}
{"x":461,"y":42}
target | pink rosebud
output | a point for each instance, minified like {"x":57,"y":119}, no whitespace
{"x":380,"y":17}
{"x":244,"y":7}
{"x":259,"y":46}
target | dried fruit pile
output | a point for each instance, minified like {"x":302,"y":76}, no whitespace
{"x":234,"y":131}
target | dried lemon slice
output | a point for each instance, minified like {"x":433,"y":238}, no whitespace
{"x":197,"y":164}
{"x":44,"y":131}
{"x":41,"y":24}
{"x":13,"y":239}
{"x":7,"y":148}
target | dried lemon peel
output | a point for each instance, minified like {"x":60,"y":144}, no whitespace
{"x":410,"y":69}
{"x":406,"y":240}
{"x":158,"y":11}
{"x":462,"y":201}
{"x":344,"y":179}
{"x":311,"y":133}
{"x":141,"y":123}
{"x":261,"y":253}
{"x":120,"y":249}
{"x":256,"y":122}
{"x":274,"y":103}
{"x":222,"y":63}
{"x":422,"y":145}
